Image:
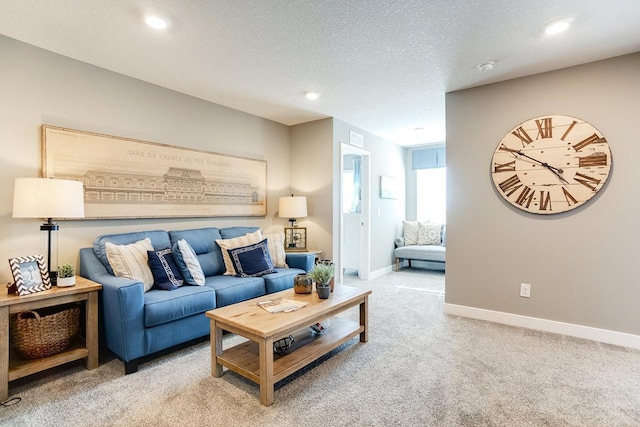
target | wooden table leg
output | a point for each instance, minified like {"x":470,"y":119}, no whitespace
{"x":91,"y":322}
{"x":4,"y":353}
{"x":266,"y":371}
{"x":364,"y":315}
{"x":215,"y":335}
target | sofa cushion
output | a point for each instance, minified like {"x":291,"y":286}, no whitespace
{"x":275,"y":242}
{"x":252,"y":260}
{"x":188,"y":263}
{"x":163,"y":307}
{"x":236,"y":242}
{"x":131,"y":261}
{"x":203,"y":243}
{"x":231,"y":232}
{"x":280,"y":280}
{"x":159,"y":239}
{"x":429,"y":233}
{"x":166,"y":274}
{"x":232,"y":289}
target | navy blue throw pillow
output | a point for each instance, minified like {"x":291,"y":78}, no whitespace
{"x":252,"y":260}
{"x":166,"y":274}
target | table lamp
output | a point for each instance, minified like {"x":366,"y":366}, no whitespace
{"x":48,"y":198}
{"x":292,"y":207}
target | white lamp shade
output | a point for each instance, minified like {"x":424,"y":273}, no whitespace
{"x":48,"y":198}
{"x":292,"y":207}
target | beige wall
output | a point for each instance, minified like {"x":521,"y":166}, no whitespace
{"x":39,"y":87}
{"x":311,"y":176}
{"x":582,"y":265}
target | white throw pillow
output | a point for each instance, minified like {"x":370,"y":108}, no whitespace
{"x":236,"y":242}
{"x":131,"y":261}
{"x":190,"y":260}
{"x":429,"y":233}
{"x":410,"y":232}
{"x":275,"y":243}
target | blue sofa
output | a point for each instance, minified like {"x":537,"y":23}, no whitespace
{"x":135,"y":324}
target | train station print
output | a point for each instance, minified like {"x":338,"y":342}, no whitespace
{"x":126,"y":178}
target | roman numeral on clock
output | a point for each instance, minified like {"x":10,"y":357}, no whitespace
{"x":595,"y":159}
{"x":566,"y":132}
{"x":545,"y":200}
{"x":523,"y":135}
{"x":505,"y":167}
{"x":545,"y":129}
{"x":570,"y":199}
{"x":510,"y":185}
{"x":590,"y":140}
{"x":587,"y":181}
{"x":526,"y":196}
{"x":511,"y":150}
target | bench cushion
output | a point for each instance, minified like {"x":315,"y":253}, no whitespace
{"x":422,"y":252}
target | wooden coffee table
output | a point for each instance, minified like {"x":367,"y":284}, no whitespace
{"x":255,"y":359}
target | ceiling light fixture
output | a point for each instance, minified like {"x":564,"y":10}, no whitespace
{"x":312,"y":95}
{"x":157,"y":22}
{"x":557,"y":27}
{"x":486,"y":66}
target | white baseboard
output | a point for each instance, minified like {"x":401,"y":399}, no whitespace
{"x":578,"y":331}
{"x":381,"y":272}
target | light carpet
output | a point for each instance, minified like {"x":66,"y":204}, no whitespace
{"x":419,"y":368}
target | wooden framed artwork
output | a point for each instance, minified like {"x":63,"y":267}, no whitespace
{"x":388,"y":188}
{"x":30,"y":274}
{"x":129,"y":178}
{"x":295,"y":239}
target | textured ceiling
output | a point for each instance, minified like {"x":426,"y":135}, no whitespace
{"x":381,"y":65}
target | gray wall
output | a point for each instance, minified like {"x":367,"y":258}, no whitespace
{"x":39,"y":87}
{"x":582,"y":265}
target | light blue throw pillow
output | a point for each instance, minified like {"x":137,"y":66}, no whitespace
{"x":188,"y":263}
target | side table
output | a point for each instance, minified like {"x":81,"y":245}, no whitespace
{"x":12,"y":366}
{"x":316,"y":253}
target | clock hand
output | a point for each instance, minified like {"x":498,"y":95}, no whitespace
{"x":557,"y":174}
{"x":546,"y":165}
{"x":556,"y":171}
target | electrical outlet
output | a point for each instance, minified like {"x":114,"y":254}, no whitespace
{"x":525,"y":290}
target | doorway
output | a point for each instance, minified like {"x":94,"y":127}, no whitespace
{"x":354,"y":212}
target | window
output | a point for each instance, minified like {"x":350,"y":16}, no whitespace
{"x":431,"y":183}
{"x":431,"y":201}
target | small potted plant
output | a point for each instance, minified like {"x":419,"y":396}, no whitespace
{"x":322,"y":275}
{"x":66,"y":275}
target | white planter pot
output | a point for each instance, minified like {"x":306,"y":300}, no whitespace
{"x":66,"y":281}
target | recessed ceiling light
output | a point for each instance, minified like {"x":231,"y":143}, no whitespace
{"x":312,"y":95}
{"x":157,"y":22}
{"x":557,"y":27}
{"x":486,"y":66}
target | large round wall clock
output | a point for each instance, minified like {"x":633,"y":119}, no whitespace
{"x":551,"y":164}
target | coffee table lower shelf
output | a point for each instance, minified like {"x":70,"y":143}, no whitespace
{"x":244,"y":358}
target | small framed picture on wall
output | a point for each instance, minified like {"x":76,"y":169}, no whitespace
{"x":388,"y":187}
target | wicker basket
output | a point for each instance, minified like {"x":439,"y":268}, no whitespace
{"x":36,"y":335}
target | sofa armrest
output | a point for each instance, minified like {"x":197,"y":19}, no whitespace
{"x":302,"y":261}
{"x":122,"y":307}
{"x":399,"y":242}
